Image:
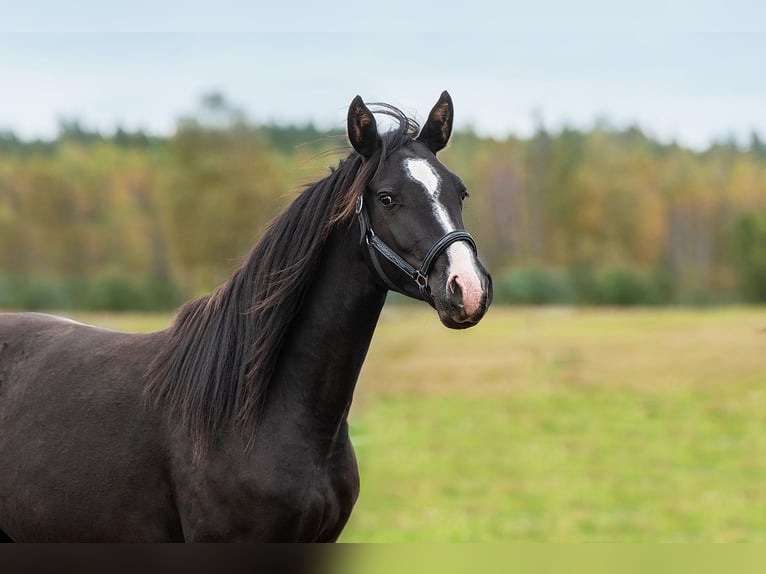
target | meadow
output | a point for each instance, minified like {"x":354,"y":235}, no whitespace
{"x":558,"y":424}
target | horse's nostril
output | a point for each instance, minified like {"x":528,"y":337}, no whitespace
{"x":456,"y":290}
{"x":465,"y":293}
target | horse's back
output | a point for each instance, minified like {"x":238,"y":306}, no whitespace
{"x":81,"y":456}
{"x":44,"y":357}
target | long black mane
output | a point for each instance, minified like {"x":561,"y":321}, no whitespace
{"x":215,"y":371}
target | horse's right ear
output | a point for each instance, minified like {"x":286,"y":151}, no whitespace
{"x":435,"y":134}
{"x":362,"y":128}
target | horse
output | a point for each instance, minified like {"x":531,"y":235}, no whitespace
{"x":231,"y":424}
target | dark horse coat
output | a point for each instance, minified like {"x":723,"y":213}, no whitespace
{"x":232,"y":423}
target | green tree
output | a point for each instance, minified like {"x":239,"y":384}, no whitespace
{"x":221,"y":187}
{"x":750,"y":249}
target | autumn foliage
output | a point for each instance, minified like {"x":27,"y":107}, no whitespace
{"x":607,"y":216}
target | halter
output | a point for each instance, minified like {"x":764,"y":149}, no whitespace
{"x":376,"y":246}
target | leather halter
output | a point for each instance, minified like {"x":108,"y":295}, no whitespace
{"x":376,"y":246}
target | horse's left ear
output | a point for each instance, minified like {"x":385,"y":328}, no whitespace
{"x":362,"y":128}
{"x":436,"y":132}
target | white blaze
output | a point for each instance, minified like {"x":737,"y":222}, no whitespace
{"x":462,"y":261}
{"x":423,"y":172}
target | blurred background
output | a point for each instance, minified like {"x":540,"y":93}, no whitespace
{"x":616,"y":160}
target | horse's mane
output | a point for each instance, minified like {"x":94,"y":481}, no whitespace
{"x":216,"y":368}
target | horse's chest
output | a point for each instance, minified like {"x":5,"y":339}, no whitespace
{"x":270,"y":503}
{"x":326,"y":500}
{"x":325,"y":509}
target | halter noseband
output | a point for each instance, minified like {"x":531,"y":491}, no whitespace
{"x":376,"y":246}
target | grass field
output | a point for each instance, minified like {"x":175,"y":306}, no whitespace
{"x":559,"y":425}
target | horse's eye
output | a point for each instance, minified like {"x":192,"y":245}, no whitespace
{"x":386,"y":200}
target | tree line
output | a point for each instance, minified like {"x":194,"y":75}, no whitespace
{"x":604,"y":216}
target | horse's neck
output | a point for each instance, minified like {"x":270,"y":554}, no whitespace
{"x":327,"y":344}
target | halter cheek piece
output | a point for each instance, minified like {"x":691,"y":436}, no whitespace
{"x":376,"y":246}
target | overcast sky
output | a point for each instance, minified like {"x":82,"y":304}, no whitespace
{"x":690,"y":71}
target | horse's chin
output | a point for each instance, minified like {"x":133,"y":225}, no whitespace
{"x":457,"y":319}
{"x":452,"y":324}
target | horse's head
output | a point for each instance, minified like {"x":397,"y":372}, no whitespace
{"x":411,"y":219}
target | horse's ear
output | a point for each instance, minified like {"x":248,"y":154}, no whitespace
{"x":362,"y":128}
{"x":436,"y":132}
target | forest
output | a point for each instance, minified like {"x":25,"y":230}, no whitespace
{"x":604,"y":216}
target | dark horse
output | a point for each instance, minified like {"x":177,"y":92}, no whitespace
{"x":232,"y":423}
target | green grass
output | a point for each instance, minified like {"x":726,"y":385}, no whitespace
{"x":570,"y":465}
{"x":559,"y":425}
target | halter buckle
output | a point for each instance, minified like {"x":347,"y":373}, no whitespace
{"x":359,"y":205}
{"x":421,"y":280}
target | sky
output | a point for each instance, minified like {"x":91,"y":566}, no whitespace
{"x":691,"y":72}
